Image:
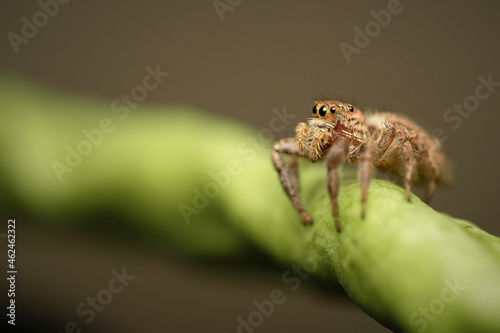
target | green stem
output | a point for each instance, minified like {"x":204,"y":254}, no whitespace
{"x":207,"y":187}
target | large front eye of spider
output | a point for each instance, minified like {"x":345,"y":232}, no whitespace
{"x":322,"y":111}
{"x":350,"y":108}
{"x":315,"y":109}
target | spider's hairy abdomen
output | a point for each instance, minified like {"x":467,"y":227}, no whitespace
{"x":430,"y":161}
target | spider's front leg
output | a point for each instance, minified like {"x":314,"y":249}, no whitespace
{"x":335,"y":156}
{"x":288,"y":174}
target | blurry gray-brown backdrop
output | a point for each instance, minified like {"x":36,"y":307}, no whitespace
{"x":429,"y":60}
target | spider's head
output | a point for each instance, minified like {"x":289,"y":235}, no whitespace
{"x":336,"y":112}
{"x":342,"y":118}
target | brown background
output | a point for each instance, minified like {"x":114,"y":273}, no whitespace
{"x":265,"y":54}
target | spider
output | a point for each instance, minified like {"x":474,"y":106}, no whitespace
{"x":339,"y":131}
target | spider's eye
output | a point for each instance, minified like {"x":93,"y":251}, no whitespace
{"x":350,"y":108}
{"x":332,"y":109}
{"x":322,"y":111}
{"x":315,"y":109}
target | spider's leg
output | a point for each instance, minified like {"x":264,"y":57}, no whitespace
{"x":365,"y":172}
{"x":434,"y":179}
{"x":430,"y":190}
{"x":294,"y":174}
{"x":288,"y":175}
{"x":384,"y":142}
{"x":335,"y":157}
{"x":410,"y":164}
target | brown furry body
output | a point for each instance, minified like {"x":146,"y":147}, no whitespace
{"x":340,"y":131}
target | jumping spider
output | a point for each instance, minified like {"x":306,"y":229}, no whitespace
{"x":339,"y":131}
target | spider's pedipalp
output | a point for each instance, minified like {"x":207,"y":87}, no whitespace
{"x":301,"y":137}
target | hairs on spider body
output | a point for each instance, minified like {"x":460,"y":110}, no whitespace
{"x":339,"y":131}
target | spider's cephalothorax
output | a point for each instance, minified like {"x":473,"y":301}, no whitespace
{"x":332,"y":121}
{"x":339,"y":131}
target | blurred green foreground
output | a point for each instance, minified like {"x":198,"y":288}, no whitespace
{"x":207,"y":187}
